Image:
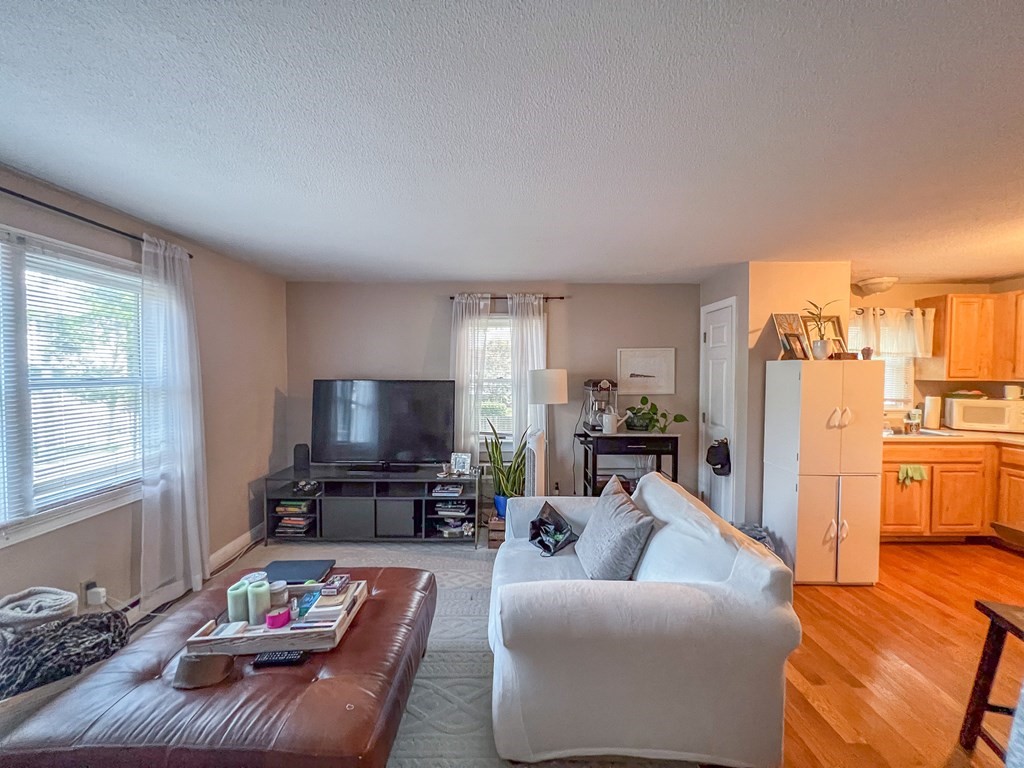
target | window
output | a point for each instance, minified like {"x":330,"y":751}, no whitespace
{"x":899,"y":373}
{"x":496,"y":404}
{"x":71,"y":376}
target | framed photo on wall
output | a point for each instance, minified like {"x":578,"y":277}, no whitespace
{"x":647,"y":371}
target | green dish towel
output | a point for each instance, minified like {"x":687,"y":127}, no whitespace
{"x":912,"y":472}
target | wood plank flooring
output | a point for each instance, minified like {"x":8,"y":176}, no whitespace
{"x":883,"y":675}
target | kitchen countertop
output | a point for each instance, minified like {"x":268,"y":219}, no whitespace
{"x":959,"y":436}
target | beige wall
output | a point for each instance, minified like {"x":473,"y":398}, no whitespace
{"x":241,"y":319}
{"x":347,"y":330}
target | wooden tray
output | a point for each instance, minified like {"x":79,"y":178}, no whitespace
{"x":261,"y":640}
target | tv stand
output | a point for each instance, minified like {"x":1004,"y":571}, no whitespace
{"x":370,"y":502}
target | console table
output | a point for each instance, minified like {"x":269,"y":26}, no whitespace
{"x":597,"y":444}
{"x":355,"y":505}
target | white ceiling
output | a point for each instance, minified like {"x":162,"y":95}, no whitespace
{"x":597,"y":141}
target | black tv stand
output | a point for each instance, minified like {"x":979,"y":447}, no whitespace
{"x":350,"y":503}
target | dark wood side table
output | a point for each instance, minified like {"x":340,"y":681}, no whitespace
{"x":1003,"y":619}
{"x":597,"y":444}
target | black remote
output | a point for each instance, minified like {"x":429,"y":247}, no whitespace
{"x":279,"y":659}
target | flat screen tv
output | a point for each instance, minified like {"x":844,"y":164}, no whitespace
{"x":362,"y":421}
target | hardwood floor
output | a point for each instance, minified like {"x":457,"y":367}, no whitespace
{"x":883,"y":675}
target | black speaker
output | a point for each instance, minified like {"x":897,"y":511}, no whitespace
{"x":301,"y":457}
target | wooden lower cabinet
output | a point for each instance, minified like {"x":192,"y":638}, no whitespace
{"x":1011,"y":495}
{"x":904,"y":507}
{"x":958,"y":498}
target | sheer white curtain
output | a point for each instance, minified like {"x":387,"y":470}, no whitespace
{"x":470,"y":312}
{"x":893,"y":331}
{"x":529,"y":352}
{"x":175,"y":546}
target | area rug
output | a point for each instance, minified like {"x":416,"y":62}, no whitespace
{"x":448,"y":721}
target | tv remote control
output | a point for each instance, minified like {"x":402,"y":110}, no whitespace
{"x":279,"y":659}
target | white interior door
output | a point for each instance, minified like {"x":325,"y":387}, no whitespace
{"x":859,"y":528}
{"x":817,"y":529}
{"x":717,"y":400}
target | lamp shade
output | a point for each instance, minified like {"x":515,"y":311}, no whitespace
{"x":548,"y":386}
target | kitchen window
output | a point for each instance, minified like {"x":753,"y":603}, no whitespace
{"x":899,"y":373}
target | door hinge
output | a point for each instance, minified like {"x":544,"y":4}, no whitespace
{"x":703,"y":418}
{"x":705,"y":337}
{"x":796,"y":487}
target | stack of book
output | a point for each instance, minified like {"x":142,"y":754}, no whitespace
{"x":331,"y":607}
{"x":447,"y":490}
{"x":293,"y":527}
{"x":293,"y":506}
{"x":451,"y":508}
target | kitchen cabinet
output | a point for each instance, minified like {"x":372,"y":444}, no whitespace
{"x":1018,"y":337}
{"x":1011,"y":486}
{"x":963,"y":347}
{"x":905,"y":508}
{"x":822,"y":467}
{"x":958,"y":498}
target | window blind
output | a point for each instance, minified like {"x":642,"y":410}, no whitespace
{"x":71,"y":380}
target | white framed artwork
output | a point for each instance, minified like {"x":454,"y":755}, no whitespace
{"x":647,"y":371}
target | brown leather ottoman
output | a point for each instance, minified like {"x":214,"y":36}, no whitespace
{"x":341,"y":708}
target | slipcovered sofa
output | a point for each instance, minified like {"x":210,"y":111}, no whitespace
{"x":683,"y":662}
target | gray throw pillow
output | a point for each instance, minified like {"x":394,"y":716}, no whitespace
{"x":613,"y":486}
{"x":613,"y":539}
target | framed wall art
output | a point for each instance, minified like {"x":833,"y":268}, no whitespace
{"x":647,"y":371}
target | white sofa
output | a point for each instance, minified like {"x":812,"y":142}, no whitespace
{"x":684,"y":662}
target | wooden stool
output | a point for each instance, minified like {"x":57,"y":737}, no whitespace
{"x":1003,"y":619}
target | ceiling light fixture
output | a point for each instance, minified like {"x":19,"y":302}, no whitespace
{"x":876,"y":285}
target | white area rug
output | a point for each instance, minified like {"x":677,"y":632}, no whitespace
{"x":447,"y":723}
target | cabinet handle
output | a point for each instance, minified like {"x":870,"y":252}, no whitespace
{"x":831,"y":533}
{"x":844,"y":530}
{"x":834,"y":418}
{"x":846,"y":418}
{"x":636,"y":446}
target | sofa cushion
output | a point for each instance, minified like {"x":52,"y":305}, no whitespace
{"x":613,"y":540}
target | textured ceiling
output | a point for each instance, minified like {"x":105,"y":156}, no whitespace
{"x":599,"y":141}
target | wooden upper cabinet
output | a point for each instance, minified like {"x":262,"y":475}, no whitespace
{"x":959,"y":498}
{"x":965,"y":337}
{"x":905,"y":508}
{"x":1018,"y":336}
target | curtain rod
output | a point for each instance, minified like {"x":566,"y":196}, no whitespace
{"x":72,"y":215}
{"x":499,"y":298}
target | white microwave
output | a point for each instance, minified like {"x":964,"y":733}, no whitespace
{"x":985,"y":415}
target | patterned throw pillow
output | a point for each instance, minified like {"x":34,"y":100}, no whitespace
{"x":614,"y":537}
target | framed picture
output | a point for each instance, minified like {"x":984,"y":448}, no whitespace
{"x":460,"y":463}
{"x":647,"y":371}
{"x":833,"y":329}
{"x":788,"y":324}
{"x":797,"y":347}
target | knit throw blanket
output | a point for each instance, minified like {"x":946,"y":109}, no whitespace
{"x":32,"y":607}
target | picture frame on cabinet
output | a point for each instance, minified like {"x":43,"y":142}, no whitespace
{"x":797,"y":347}
{"x":788,"y":324}
{"x":833,"y":329}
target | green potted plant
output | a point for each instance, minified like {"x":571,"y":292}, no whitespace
{"x":819,"y":346}
{"x":647,"y":417}
{"x":510,"y":478}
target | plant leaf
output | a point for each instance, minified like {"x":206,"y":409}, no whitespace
{"x":644,"y":400}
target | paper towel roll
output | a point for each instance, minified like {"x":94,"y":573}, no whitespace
{"x":932,"y":412}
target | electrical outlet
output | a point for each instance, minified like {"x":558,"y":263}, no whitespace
{"x":83,"y":590}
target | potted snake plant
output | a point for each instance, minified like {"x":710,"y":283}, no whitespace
{"x":509,"y":478}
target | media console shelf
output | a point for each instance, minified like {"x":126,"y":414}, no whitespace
{"x":354,"y":505}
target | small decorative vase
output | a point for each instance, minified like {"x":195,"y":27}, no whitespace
{"x":500,"y":503}
{"x":866,"y":353}
{"x":820,"y":348}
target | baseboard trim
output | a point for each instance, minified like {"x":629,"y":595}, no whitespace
{"x":233,"y":548}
